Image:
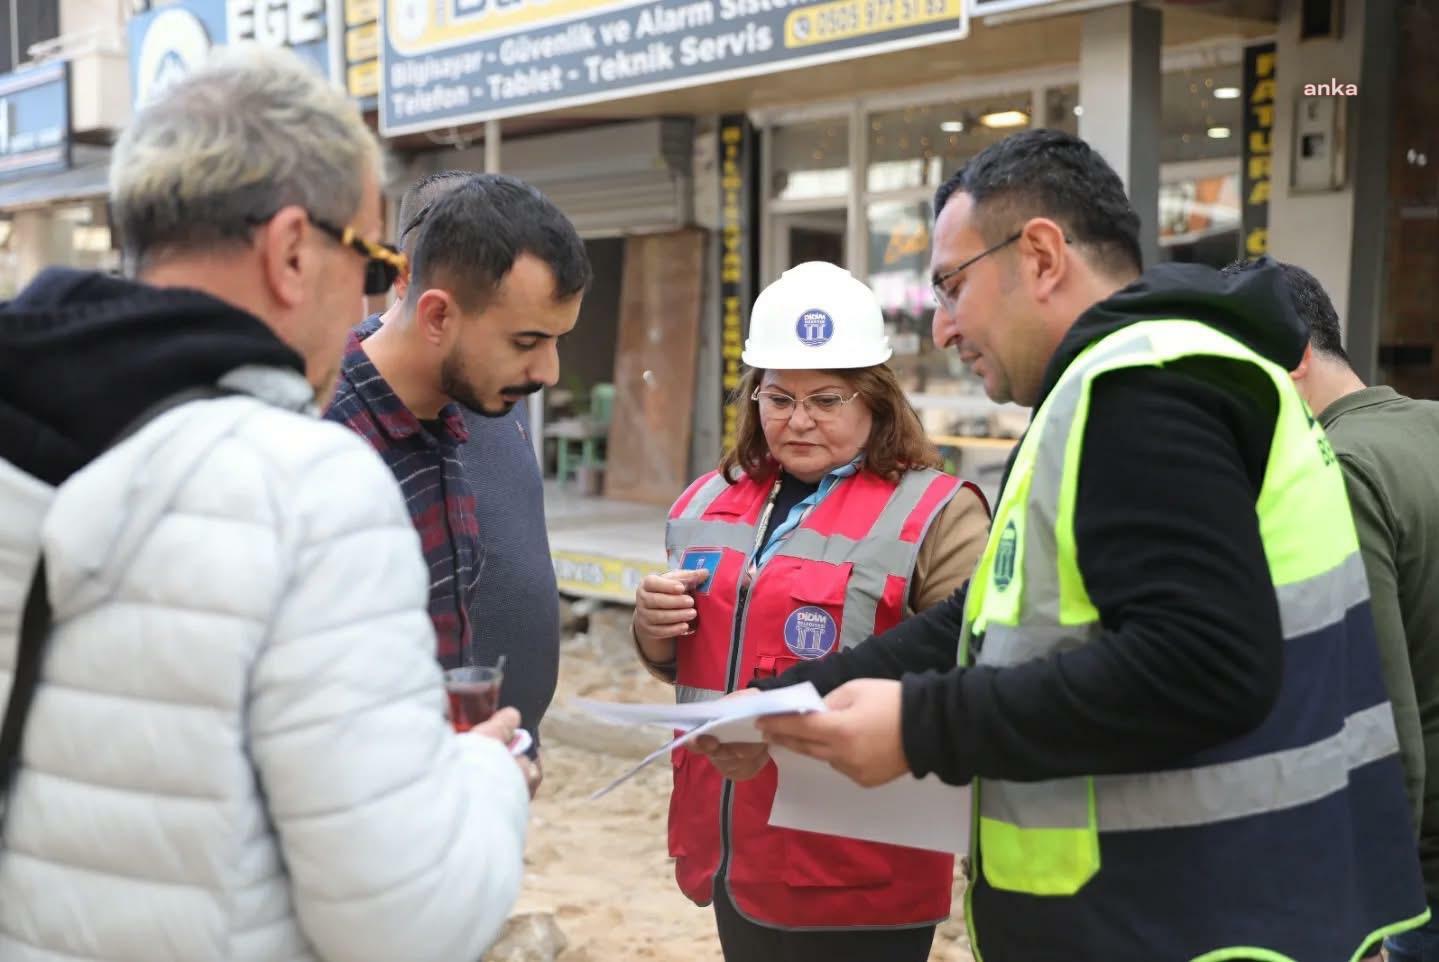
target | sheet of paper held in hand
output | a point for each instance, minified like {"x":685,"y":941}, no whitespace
{"x":811,"y":796}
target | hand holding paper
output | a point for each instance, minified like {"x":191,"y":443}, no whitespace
{"x":728,"y":720}
{"x":859,"y":735}
{"x":813,"y":796}
{"x":737,"y":761}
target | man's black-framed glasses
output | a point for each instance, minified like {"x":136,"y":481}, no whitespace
{"x":383,"y":262}
{"x":940,"y":281}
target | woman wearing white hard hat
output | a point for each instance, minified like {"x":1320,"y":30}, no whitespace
{"x":828,"y":522}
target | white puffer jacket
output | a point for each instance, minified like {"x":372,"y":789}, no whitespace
{"x":239,"y":750}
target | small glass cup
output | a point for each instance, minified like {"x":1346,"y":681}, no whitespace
{"x":474,"y":694}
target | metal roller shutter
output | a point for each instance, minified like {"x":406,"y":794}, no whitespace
{"x":625,"y":178}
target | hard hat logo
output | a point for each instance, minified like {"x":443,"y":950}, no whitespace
{"x":815,"y":328}
{"x":810,"y":632}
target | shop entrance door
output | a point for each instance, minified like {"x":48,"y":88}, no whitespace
{"x":1408,"y":346}
{"x":811,"y":236}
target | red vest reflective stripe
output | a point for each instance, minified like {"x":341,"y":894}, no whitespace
{"x":841,"y":576}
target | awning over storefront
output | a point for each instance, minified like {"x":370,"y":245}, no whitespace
{"x":87,"y":178}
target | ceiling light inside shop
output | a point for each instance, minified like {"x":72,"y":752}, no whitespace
{"x":1079,"y":110}
{"x":1226,"y":93}
{"x":1005,"y":118}
{"x":1218,"y":133}
{"x":952,"y":126}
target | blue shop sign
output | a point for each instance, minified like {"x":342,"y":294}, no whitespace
{"x":169,"y":41}
{"x":35,"y":120}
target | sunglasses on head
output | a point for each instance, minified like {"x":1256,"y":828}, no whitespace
{"x":383,"y":262}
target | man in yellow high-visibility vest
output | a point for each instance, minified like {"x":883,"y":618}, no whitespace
{"x":1166,"y":691}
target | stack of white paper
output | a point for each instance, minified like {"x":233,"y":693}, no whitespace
{"x":920,"y":813}
{"x":711,"y":715}
{"x":728,"y":719}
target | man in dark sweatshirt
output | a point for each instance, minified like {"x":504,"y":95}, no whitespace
{"x":1166,"y":695}
{"x":1388,"y":446}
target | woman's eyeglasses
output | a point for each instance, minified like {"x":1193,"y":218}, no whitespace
{"x":820,"y":407}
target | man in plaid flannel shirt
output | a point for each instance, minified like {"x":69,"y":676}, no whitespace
{"x":497,"y":276}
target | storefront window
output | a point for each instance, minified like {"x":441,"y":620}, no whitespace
{"x":83,"y":234}
{"x":911,"y":151}
{"x":920,"y":146}
{"x":1194,"y":208}
{"x":71,"y":235}
{"x":1199,"y":204}
{"x":1201,"y":114}
{"x":949,"y":399}
{"x":814,"y":235}
{"x":1062,"y":108}
{"x":810,"y":160}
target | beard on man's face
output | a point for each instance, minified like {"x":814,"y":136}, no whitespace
{"x":456,"y":386}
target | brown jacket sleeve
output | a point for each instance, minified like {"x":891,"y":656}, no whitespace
{"x":666,"y":672}
{"x":950,"y":551}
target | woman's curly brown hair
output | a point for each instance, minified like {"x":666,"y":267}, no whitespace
{"x":897,"y":442}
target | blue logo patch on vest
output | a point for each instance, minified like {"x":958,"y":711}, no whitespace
{"x":810,"y":632}
{"x":706,"y":558}
{"x":814,"y":328}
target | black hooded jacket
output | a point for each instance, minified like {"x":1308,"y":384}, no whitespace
{"x":83,"y":354}
{"x":1167,"y":537}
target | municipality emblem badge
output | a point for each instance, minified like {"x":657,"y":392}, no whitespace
{"x":1004,"y":556}
{"x":814,"y":328}
{"x":810,"y":632}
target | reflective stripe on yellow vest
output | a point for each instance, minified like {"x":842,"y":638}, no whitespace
{"x":1028,"y":600}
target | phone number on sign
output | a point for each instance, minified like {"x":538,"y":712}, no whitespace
{"x":856,"y":18}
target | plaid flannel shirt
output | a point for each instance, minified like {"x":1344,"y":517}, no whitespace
{"x":426,"y":463}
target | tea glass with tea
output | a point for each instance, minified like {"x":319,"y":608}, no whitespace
{"x":474,"y":693}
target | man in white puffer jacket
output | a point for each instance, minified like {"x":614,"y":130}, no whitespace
{"x":238,"y":747}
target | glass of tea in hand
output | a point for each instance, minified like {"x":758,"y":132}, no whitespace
{"x":474,"y":694}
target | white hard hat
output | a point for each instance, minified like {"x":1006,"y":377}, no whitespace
{"x":816,"y":317}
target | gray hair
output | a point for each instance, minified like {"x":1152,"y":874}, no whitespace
{"x":251,"y":131}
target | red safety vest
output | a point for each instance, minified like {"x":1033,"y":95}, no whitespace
{"x":841,"y":576}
